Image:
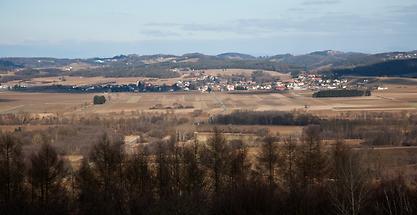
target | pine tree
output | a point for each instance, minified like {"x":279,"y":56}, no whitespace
{"x":268,"y":159}
{"x":139,"y":183}
{"x":240,"y":167}
{"x":47,"y":174}
{"x":289,"y":150}
{"x":217,"y":160}
{"x":11,"y":175}
{"x":311,"y":161}
{"x":163,"y":172}
{"x":107,"y":165}
{"x":88,"y":186}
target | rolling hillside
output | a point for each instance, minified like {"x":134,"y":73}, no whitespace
{"x":392,"y":68}
{"x":164,"y":66}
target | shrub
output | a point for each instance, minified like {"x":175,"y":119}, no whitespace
{"x":98,"y":100}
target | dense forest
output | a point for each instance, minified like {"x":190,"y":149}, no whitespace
{"x":7,"y":65}
{"x":295,"y":177}
{"x":392,"y":68}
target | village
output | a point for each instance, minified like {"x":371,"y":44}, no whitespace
{"x":200,"y":81}
{"x":301,"y":82}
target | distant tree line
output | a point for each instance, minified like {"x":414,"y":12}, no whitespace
{"x":265,"y":118}
{"x":152,"y":71}
{"x":341,"y":93}
{"x":375,"y":128}
{"x":29,"y":73}
{"x":8,"y":65}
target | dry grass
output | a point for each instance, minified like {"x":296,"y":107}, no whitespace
{"x":15,"y":102}
{"x":82,"y":81}
{"x":396,"y":98}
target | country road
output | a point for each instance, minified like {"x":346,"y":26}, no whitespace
{"x":220,"y":102}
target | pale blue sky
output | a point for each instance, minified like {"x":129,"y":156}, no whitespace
{"x":88,"y":28}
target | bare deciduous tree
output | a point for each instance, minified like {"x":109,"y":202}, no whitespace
{"x":349,"y":188}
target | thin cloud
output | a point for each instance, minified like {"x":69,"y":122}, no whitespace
{"x":206,"y":27}
{"x":404,"y":10}
{"x":321,"y":2}
{"x":162,"y":24}
{"x":296,"y":9}
{"x":327,"y":24}
{"x":159,"y":33}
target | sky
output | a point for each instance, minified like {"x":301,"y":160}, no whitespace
{"x":104,"y":28}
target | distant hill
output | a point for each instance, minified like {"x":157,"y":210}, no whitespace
{"x":196,"y":55}
{"x":392,"y":68}
{"x":8,"y":65}
{"x":161,"y":65}
{"x":40,"y":62}
{"x":325,"y":60}
{"x":236,"y":56}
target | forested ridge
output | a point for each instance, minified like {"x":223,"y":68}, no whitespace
{"x":390,"y":68}
{"x":161,"y":66}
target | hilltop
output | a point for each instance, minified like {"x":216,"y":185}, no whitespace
{"x":168,"y":66}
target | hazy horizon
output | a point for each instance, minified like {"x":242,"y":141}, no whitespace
{"x":209,"y":54}
{"x":83,"y":29}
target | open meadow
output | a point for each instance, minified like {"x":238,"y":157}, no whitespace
{"x":73,"y":124}
{"x":197,"y":107}
{"x":395,"y":98}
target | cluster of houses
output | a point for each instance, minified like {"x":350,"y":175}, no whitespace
{"x":315,"y":82}
{"x":403,"y":56}
{"x":204,"y":83}
{"x":208,"y":83}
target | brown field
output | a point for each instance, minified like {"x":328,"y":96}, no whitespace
{"x":396,"y":98}
{"x":242,"y":130}
{"x":14,"y":102}
{"x":82,"y":81}
{"x":11,"y":128}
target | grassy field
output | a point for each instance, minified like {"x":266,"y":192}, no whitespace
{"x":81,"y":81}
{"x":396,"y":98}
